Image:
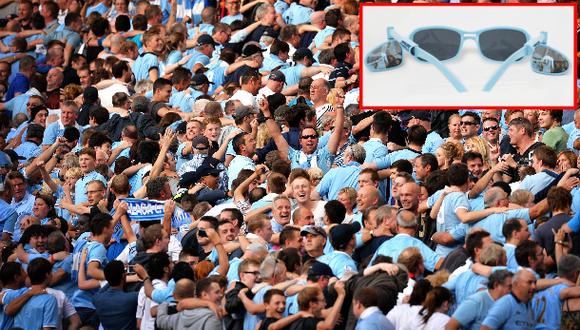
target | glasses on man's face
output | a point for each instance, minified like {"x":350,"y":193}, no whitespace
{"x":312,"y":137}
{"x":201,"y":147}
{"x":491,"y":128}
{"x":467,"y":123}
{"x":255,"y":273}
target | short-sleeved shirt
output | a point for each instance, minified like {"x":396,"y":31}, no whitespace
{"x":433,"y":142}
{"x":39,"y":312}
{"x":388,"y":160}
{"x":322,"y":159}
{"x":144,"y":64}
{"x":238,"y":164}
{"x":339,"y":262}
{"x":28,"y":150}
{"x":547,"y":307}
{"x":116,"y":309}
{"x":297,"y":14}
{"x":556,"y":138}
{"x":66,"y":35}
{"x":493,"y":223}
{"x":96,"y":252}
{"x":473,"y":310}
{"x":537,"y":182}
{"x":251,"y":320}
{"x":509,"y":312}
{"x":338,"y":178}
{"x":393,"y":248}
{"x":447,"y":219}
{"x":466,"y":284}
{"x":375,"y":148}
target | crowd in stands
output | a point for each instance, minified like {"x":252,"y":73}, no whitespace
{"x":302,"y":210}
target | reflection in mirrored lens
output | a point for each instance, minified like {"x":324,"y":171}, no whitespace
{"x":441,"y":43}
{"x":387,"y":55}
{"x":500,"y":44}
{"x":546,"y":60}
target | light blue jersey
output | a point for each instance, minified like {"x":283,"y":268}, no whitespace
{"x":510,"y":313}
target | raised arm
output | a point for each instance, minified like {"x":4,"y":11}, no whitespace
{"x":330,"y":321}
{"x":165,"y":142}
{"x":281,"y":143}
{"x":338,"y":123}
{"x":245,"y":185}
{"x":223,"y":261}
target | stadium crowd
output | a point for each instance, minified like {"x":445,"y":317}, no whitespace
{"x":301,"y":210}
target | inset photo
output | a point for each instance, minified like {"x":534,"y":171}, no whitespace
{"x":461,"y":56}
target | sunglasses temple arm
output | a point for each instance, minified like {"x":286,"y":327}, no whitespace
{"x":525,"y":51}
{"x":417,"y":52}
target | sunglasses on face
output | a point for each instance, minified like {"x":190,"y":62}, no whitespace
{"x":491,"y":128}
{"x":467,"y":123}
{"x":313,"y":137}
{"x":201,"y":148}
{"x":437,"y":44}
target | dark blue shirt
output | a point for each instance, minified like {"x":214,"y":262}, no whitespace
{"x":19,"y":84}
{"x":116,"y":309}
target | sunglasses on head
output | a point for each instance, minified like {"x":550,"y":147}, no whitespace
{"x":313,"y":136}
{"x":437,"y":44}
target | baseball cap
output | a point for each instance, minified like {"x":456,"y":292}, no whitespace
{"x":200,"y":140}
{"x":301,"y":53}
{"x":199,"y":79}
{"x":314,"y":230}
{"x":206,"y":169}
{"x":277,"y":76}
{"x":341,"y":234}
{"x":251,"y":49}
{"x":421,"y":115}
{"x":5,"y":160}
{"x":205,"y":39}
{"x":318,"y":268}
{"x":14,"y":157}
{"x":243,"y":111}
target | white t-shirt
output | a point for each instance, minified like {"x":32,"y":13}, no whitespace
{"x":144,"y":305}
{"x":65,"y":308}
{"x":106,"y":94}
{"x":406,"y":317}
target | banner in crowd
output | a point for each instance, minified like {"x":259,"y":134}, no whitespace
{"x":151,"y":210}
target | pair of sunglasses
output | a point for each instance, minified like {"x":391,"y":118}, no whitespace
{"x":437,"y":44}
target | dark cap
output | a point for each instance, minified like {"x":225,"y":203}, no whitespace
{"x":90,"y":95}
{"x":421,"y":115}
{"x":14,"y":157}
{"x":206,"y":169}
{"x":318,"y":268}
{"x":5,"y":160}
{"x":205,"y":39}
{"x":341,"y":234}
{"x":199,"y":79}
{"x":243,"y":111}
{"x":314,"y":230}
{"x":251,"y":49}
{"x":301,"y":53}
{"x":277,"y":76}
{"x":200,"y":140}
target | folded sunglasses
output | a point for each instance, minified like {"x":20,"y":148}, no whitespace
{"x":437,"y":44}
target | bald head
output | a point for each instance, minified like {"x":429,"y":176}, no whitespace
{"x":409,"y":196}
{"x":524,"y":285}
{"x":367,"y":196}
{"x":406,"y":221}
{"x":317,"y":17}
{"x":303,"y":217}
{"x":184,"y":288}
{"x":495,"y":196}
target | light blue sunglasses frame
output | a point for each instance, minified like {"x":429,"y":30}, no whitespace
{"x":412,"y":48}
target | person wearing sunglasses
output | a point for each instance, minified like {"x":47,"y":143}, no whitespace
{"x":470,"y":122}
{"x":555,"y":137}
{"x":311,"y":155}
{"x":491,"y":133}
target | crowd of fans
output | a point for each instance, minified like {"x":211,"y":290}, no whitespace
{"x":305,"y":212}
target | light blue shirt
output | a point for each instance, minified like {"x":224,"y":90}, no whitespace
{"x":164,"y":295}
{"x":28,"y":150}
{"x":251,"y":320}
{"x":136,"y":180}
{"x":39,"y":312}
{"x":8,"y":216}
{"x":536,"y":182}
{"x":322,"y":34}
{"x":338,"y":178}
{"x":509,"y":313}
{"x":573,"y":135}
{"x":339,"y":262}
{"x":323,"y":157}
{"x":510,"y":253}
{"x":293,"y":74}
{"x":493,"y":223}
{"x":272,"y":62}
{"x":297,"y":14}
{"x":447,"y":219}
{"x":95,"y":252}
{"x":280,"y":6}
{"x":394,"y":246}
{"x":473,"y":310}
{"x":388,"y":160}
{"x":229,"y":19}
{"x":547,"y":307}
{"x":144,"y":64}
{"x":81,"y":185}
{"x":22,"y":208}
{"x":9,"y":295}
{"x":99,"y":8}
{"x":196,"y":58}
{"x":466,"y":284}
{"x":433,"y":142}
{"x":375,"y":320}
{"x":375,"y":149}
{"x":238,"y":164}
{"x":183,"y":99}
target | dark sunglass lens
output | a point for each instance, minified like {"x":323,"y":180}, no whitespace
{"x":499,"y":44}
{"x":441,"y":43}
